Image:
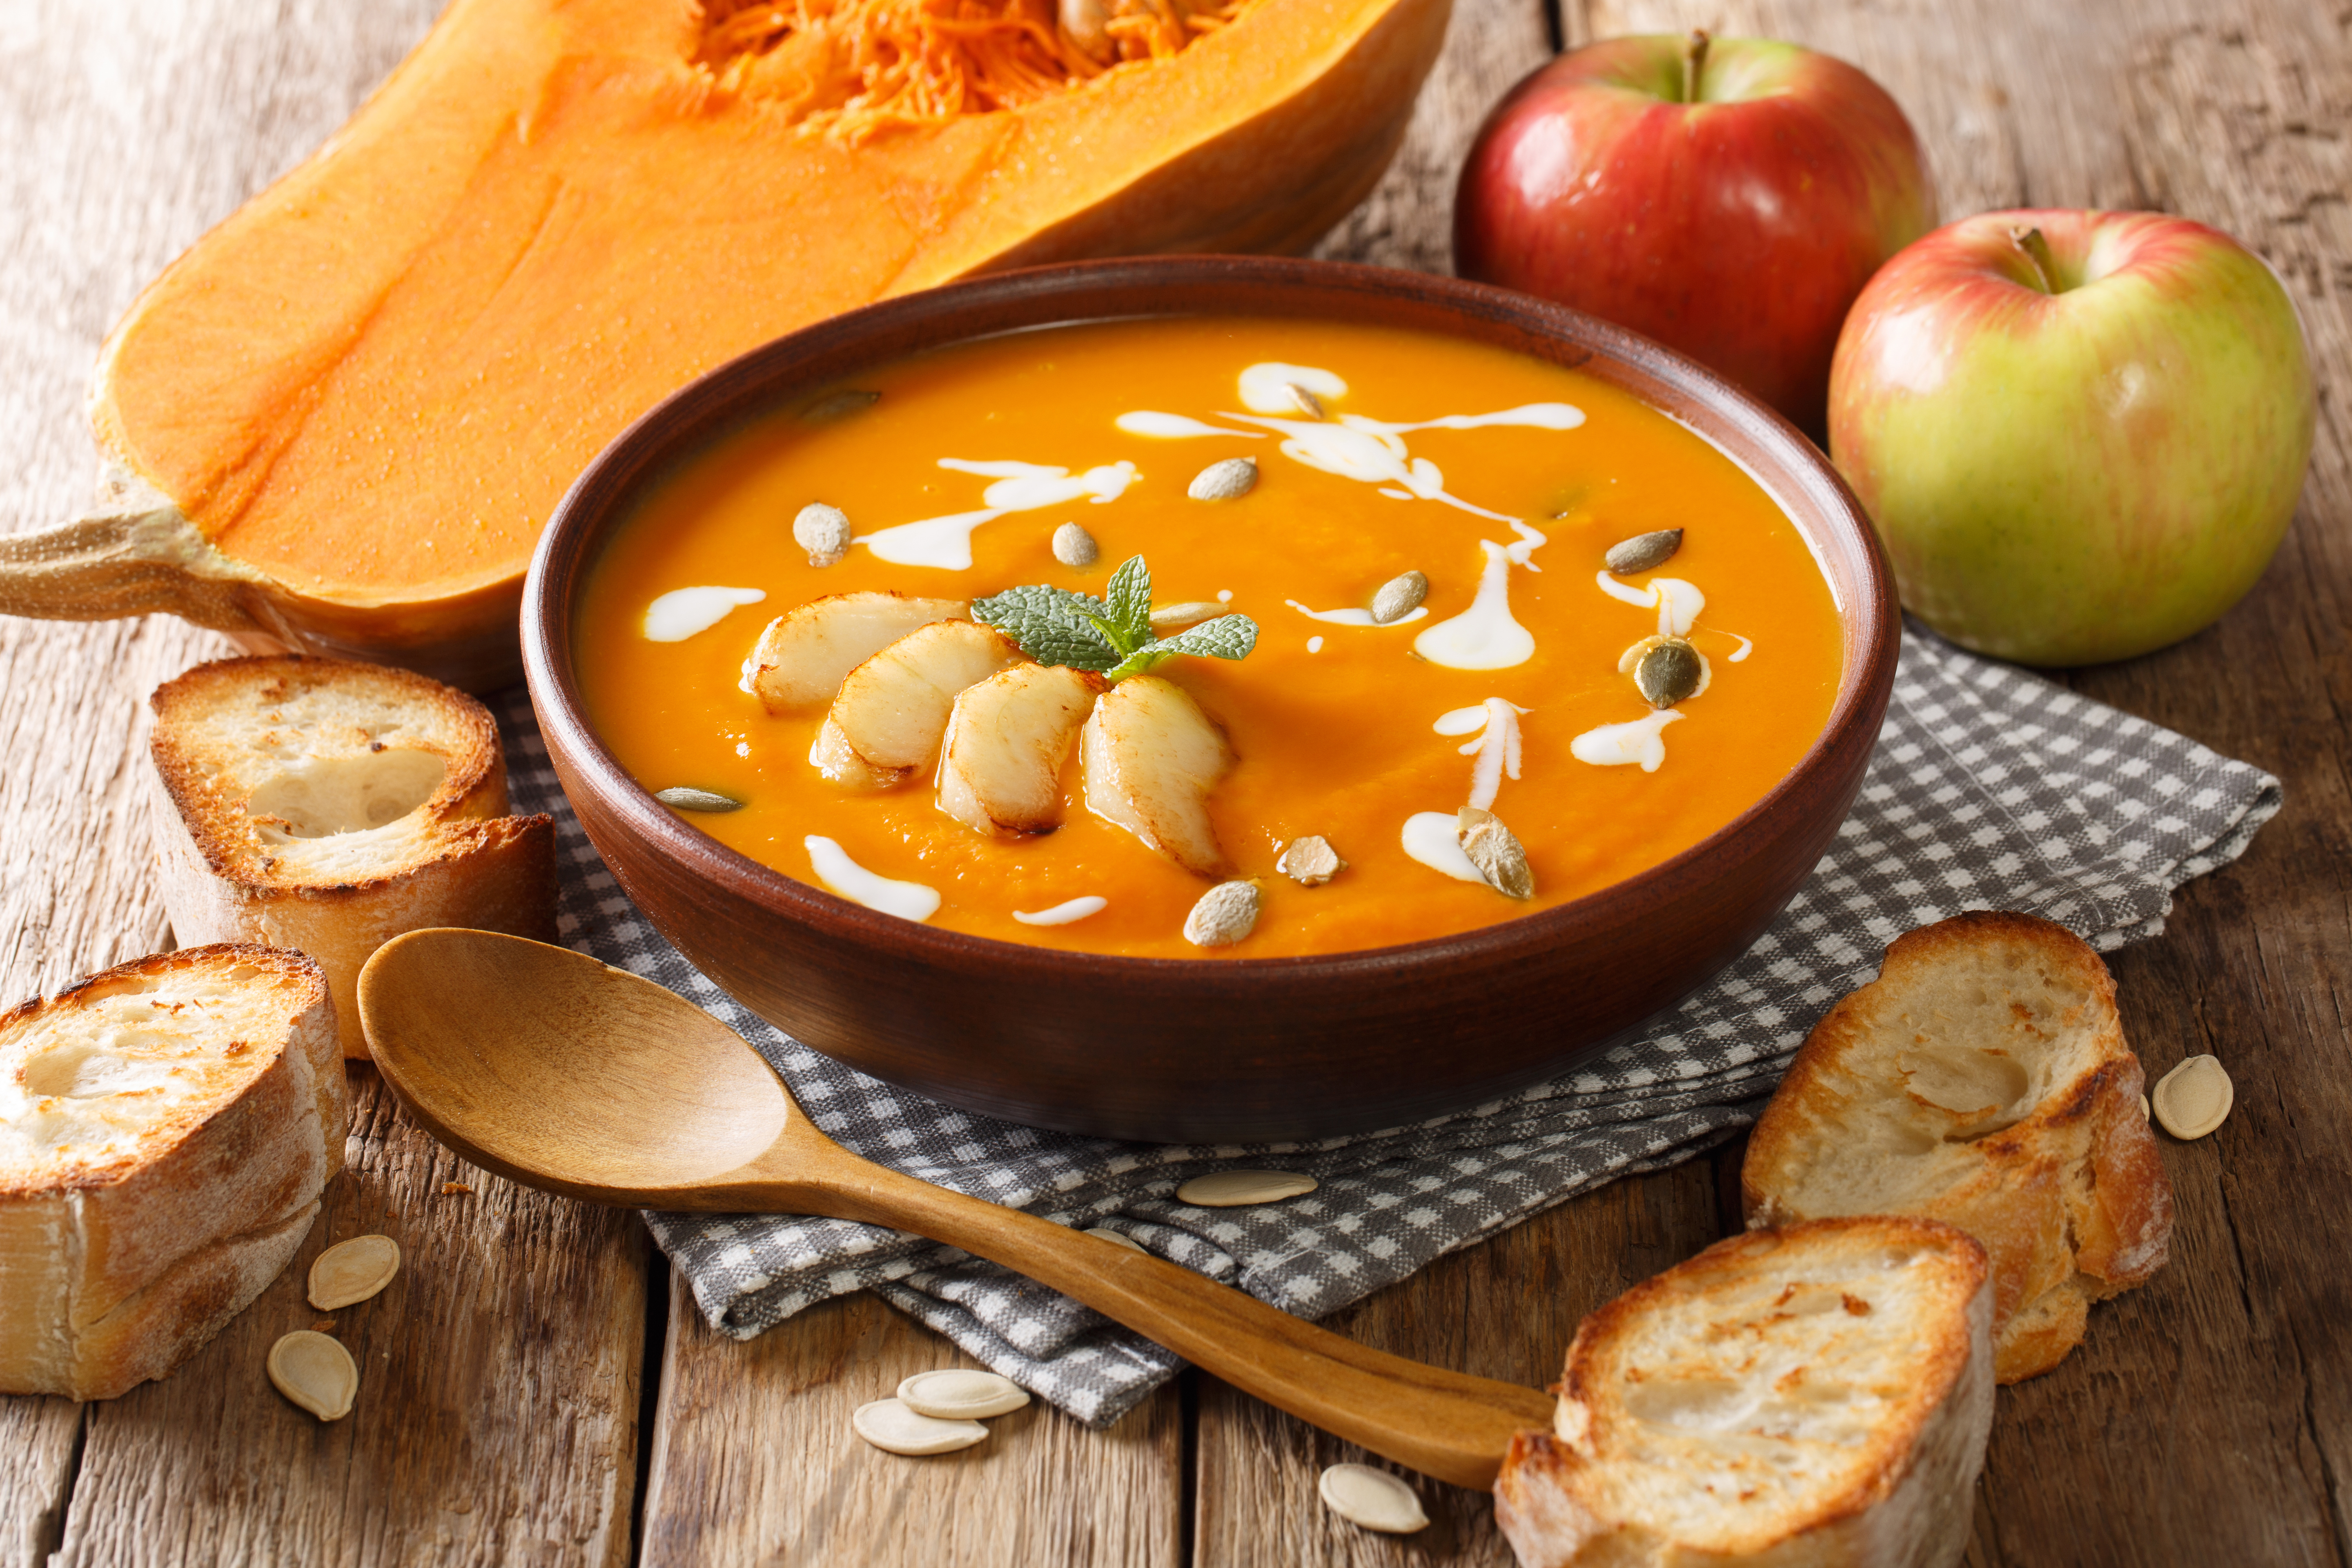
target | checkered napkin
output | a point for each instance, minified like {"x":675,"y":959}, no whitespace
{"x":1990,"y":789}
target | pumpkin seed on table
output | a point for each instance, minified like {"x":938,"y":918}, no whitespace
{"x":824,"y":531}
{"x":1669,"y":672}
{"x":1074,"y":546}
{"x":1240,"y":1189}
{"x":316,"y":1373}
{"x":1118,"y":1237}
{"x":1496,"y":851}
{"x":2194,"y":1098}
{"x":1643,"y":550}
{"x":894,"y":1428}
{"x":1228,"y":481}
{"x":960,"y":1393}
{"x":840,"y":405}
{"x":679,"y":797}
{"x":351,"y":1271}
{"x":1224,"y":914}
{"x":1310,"y":861}
{"x":1371,"y":1499}
{"x":1398,"y":597}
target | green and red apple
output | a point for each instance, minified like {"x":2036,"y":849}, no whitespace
{"x":2081,"y":434}
{"x":1728,"y":198}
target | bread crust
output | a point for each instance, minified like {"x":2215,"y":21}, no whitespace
{"x":123,"y":1253}
{"x":230,"y":733}
{"x":2063,"y":1182}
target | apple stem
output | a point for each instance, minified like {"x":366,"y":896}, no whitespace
{"x":2036,"y":251}
{"x":1694,"y":62}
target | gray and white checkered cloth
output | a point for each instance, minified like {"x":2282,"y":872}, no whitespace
{"x":1990,"y":789}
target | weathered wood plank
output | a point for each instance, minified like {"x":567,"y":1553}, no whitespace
{"x":498,"y":1403}
{"x":754,"y":1461}
{"x":37,"y":1442}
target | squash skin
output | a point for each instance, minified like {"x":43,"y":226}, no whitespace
{"x":290,"y":386}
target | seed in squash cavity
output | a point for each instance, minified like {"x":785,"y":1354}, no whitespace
{"x":1310,"y":862}
{"x":1309,"y":403}
{"x":2194,"y":1098}
{"x":824,"y":531}
{"x":1224,"y":915}
{"x":1669,"y":672}
{"x":316,"y":1373}
{"x":840,"y":405}
{"x":351,"y":1271}
{"x":1643,"y":550}
{"x":1398,"y":597}
{"x":1372,"y":1499}
{"x":1228,"y":481}
{"x":680,"y":798}
{"x":1074,"y":546}
{"x":1497,"y":852}
{"x":1086,"y":24}
{"x":1193,"y":611}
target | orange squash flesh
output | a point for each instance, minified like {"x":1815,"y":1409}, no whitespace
{"x":373,"y":381}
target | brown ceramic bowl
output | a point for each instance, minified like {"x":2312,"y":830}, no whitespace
{"x":1234,"y":1049}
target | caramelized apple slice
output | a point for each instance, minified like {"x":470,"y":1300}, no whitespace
{"x":1001,"y":763}
{"x":894,"y":708}
{"x":802,"y":657}
{"x":1151,"y":757}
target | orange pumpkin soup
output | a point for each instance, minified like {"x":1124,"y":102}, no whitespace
{"x":1607,"y":719}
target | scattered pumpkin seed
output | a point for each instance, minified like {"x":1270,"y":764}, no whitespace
{"x":1169,"y":617}
{"x":1398,"y":597}
{"x":1310,"y":862}
{"x":679,"y":797}
{"x":1643,"y":550}
{"x":1375,"y":1500}
{"x":1670,"y":672}
{"x":1309,"y":403}
{"x":1227,"y":480}
{"x":1224,"y":915}
{"x":1239,"y":1189}
{"x":840,"y":404}
{"x":316,"y":1373}
{"x":1074,"y":546}
{"x":824,"y":531}
{"x":960,"y":1393}
{"x":2194,"y":1098}
{"x":2146,"y":1113}
{"x":351,"y":1271}
{"x":1496,"y":851}
{"x":891,"y":1426}
{"x":1118,"y":1237}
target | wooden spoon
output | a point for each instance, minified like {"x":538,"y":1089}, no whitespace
{"x":560,"y":1072}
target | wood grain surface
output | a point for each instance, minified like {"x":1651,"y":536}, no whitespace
{"x":2208,"y":1419}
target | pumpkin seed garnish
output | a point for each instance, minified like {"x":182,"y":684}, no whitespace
{"x":1643,"y":550}
{"x":1169,"y":617}
{"x":1224,"y":915}
{"x":1228,"y":481}
{"x":1398,"y":597}
{"x":1074,"y":546}
{"x":824,"y":531}
{"x":1310,"y":862}
{"x":840,"y":405}
{"x":1669,"y":672}
{"x":1309,"y":403}
{"x":1496,"y":851}
{"x":680,"y":798}
{"x":316,"y":1373}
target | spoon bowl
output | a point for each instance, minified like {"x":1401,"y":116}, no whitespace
{"x":563,"y":1073}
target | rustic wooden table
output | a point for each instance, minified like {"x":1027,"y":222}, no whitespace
{"x":537,"y":1387}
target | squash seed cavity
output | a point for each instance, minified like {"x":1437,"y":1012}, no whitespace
{"x":824,"y":531}
{"x":1170,"y":617}
{"x":960,"y":1393}
{"x":1074,"y":546}
{"x":1643,"y":550}
{"x":316,"y":1373}
{"x":1310,"y":862}
{"x":1398,"y":597}
{"x":1371,"y":1499}
{"x":894,"y":1428}
{"x":1228,"y":481}
{"x":2194,"y":1098}
{"x":1239,"y":1189}
{"x":1496,"y":851}
{"x":1224,"y":915}
{"x":351,"y":1271}
{"x":680,"y":798}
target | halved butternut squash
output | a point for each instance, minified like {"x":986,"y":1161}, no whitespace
{"x":339,"y":422}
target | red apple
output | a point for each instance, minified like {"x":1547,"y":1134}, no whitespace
{"x":1728,"y":199}
{"x":2081,"y":434}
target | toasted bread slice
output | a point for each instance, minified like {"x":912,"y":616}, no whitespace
{"x":1817,"y":1395}
{"x":165,"y":1129}
{"x":1983,"y":1080}
{"x":329,"y":807}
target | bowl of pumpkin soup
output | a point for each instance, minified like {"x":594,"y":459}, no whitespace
{"x":1210,"y":698}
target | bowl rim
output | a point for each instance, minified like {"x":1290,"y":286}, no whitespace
{"x":703,"y":408}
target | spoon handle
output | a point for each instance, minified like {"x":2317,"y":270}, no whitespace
{"x":1444,"y":1423}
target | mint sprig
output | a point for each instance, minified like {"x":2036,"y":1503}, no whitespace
{"x":1111,"y":635}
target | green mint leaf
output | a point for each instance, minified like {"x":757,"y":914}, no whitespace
{"x":1227,"y":636}
{"x":1128,"y":595}
{"x":1053,"y":625}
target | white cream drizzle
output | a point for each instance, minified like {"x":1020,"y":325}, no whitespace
{"x":1483,"y":637}
{"x":1498,"y":751}
{"x":946,"y":541}
{"x":682,"y":612}
{"x":1434,"y":839}
{"x":1062,"y":914}
{"x":1266,"y":388}
{"x":1678,"y":603}
{"x":1615,"y":745}
{"x":1746,"y":647}
{"x":1314,"y":645}
{"x":1356,"y":617}
{"x":1177,"y":426}
{"x":836,"y":869}
{"x":1354,"y":447}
